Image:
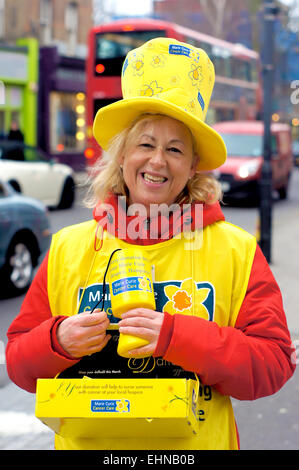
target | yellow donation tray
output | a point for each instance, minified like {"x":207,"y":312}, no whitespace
{"x":118,"y":407}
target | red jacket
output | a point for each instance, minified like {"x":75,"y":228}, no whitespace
{"x":249,"y":361}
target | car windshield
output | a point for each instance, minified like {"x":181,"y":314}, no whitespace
{"x":17,"y":151}
{"x":243,"y":145}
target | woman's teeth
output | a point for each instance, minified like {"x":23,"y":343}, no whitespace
{"x":154,"y":179}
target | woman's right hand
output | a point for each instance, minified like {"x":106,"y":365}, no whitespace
{"x":83,"y":334}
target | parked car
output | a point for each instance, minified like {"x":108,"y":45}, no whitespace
{"x":32,"y":173}
{"x":241,"y":173}
{"x":24,"y":236}
{"x":296,"y":152}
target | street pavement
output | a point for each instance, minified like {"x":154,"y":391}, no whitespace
{"x":270,"y":423}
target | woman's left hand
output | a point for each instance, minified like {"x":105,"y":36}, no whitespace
{"x":144,"y":323}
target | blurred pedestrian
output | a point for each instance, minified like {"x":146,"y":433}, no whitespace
{"x":15,"y":151}
{"x":15,"y":132}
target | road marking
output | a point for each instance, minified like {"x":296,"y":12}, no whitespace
{"x":16,"y":423}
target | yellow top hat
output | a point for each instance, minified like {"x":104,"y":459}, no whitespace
{"x":168,"y":77}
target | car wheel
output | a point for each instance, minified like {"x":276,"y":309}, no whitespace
{"x":67,"y":195}
{"x":17,"y":273}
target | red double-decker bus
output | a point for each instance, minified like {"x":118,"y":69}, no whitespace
{"x":237,"y":88}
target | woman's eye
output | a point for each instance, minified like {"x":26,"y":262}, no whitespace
{"x":146,"y":145}
{"x":175,"y":150}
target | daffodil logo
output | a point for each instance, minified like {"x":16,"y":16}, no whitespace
{"x":151,"y":89}
{"x":110,"y":406}
{"x":195,"y":74}
{"x":144,"y":284}
{"x":122,"y":406}
{"x":190,"y":298}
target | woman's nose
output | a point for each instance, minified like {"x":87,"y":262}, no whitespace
{"x":157,"y":158}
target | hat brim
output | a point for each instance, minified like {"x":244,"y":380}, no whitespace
{"x":112,"y":119}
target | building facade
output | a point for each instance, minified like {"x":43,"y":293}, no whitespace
{"x":59,"y":30}
{"x":19,"y":84}
{"x":61,"y":105}
{"x":52,"y":22}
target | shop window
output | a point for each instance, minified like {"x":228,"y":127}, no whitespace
{"x":11,"y":108}
{"x":71,"y":26}
{"x":15,"y":96}
{"x":2,"y":19}
{"x":67,"y":122}
{"x":46,"y":20}
{"x":71,"y":17}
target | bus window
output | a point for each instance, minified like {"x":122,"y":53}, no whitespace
{"x":192,"y":41}
{"x":221,"y":60}
{"x":100,"y":103}
{"x":253,"y":71}
{"x":241,"y":69}
{"x":112,"y":48}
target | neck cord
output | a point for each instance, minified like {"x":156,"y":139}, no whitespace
{"x":102,"y":299}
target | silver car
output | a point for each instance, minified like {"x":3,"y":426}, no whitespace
{"x":25,"y":235}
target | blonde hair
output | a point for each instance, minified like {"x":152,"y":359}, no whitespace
{"x":107,"y":177}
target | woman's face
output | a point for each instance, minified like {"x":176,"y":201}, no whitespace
{"x":157,"y":166}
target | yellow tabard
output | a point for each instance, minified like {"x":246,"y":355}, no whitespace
{"x":204,"y":274}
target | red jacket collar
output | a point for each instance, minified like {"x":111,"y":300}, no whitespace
{"x":141,"y":230}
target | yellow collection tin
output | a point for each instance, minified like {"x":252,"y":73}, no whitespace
{"x":131,"y":286}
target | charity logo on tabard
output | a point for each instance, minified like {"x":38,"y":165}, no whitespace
{"x":186,"y":297}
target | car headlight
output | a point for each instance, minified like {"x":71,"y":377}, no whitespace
{"x":248,"y":169}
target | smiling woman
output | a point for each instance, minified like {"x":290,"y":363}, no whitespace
{"x":159,"y":141}
{"x":218,"y":311}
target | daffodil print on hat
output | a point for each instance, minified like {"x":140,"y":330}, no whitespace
{"x":192,"y":106}
{"x":137,"y":65}
{"x":195,"y":75}
{"x":151,"y":89}
{"x":159,"y":60}
{"x":174,"y":80}
{"x":169,"y":77}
